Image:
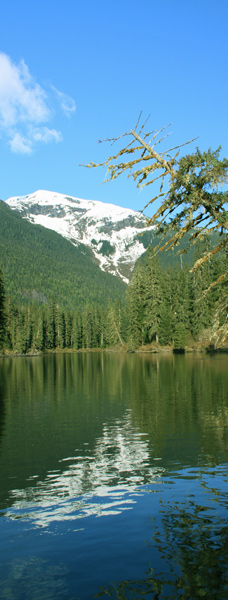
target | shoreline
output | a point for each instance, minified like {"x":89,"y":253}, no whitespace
{"x":120,"y":350}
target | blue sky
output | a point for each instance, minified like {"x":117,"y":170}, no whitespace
{"x":74,"y":72}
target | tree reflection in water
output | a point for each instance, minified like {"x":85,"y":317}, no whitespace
{"x":192,"y":543}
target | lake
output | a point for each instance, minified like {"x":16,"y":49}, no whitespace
{"x":113,"y":476}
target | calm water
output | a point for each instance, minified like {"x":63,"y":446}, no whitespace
{"x":113,"y":477}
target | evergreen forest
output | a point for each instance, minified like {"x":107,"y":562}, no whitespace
{"x":38,"y":263}
{"x":162,"y":307}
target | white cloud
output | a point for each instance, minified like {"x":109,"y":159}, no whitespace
{"x":67,"y":103}
{"x":24,"y":145}
{"x":24,"y":108}
{"x":21,"y":99}
{"x":43,"y":134}
{"x":20,"y":144}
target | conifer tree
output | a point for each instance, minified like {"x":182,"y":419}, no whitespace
{"x":181,"y":306}
{"x":87,"y":328}
{"x":180,"y":336}
{"x":51,"y":326}
{"x":167,"y":317}
{"x":97,"y":327}
{"x":201,"y":279}
{"x":152,"y":297}
{"x":2,"y":312}
{"x":135,"y":306}
{"x":60,"y":328}
{"x":38,"y":342}
{"x":68,"y":329}
{"x":76,"y":332}
{"x":113,"y":329}
{"x":21,"y":341}
{"x":10,"y":324}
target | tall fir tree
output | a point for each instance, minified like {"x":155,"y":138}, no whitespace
{"x":181,"y":306}
{"x":167,"y":317}
{"x":153,"y":297}
{"x":38,"y":320}
{"x":113,"y":328}
{"x":2,"y":312}
{"x":87,"y":327}
{"x":201,"y":303}
{"x":135,"y":306}
{"x":68,"y":328}
{"x":76,"y":331}
{"x":60,"y":328}
{"x":51,"y":332}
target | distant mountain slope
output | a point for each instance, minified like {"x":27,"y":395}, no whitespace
{"x":107,"y":238}
{"x":112,"y":233}
{"x":174,"y":256}
{"x":39,"y":263}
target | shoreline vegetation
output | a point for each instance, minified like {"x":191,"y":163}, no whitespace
{"x":119,"y":349}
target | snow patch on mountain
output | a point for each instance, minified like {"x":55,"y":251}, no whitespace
{"x":111,"y":233}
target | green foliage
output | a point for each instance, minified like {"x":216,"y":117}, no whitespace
{"x":180,"y":255}
{"x":2,"y":312}
{"x":170,"y":305}
{"x":183,"y":254}
{"x":153,"y":298}
{"x":180,"y":336}
{"x":39,"y":263}
{"x":195,"y":200}
{"x":167,"y":315}
{"x":136,"y":307}
{"x":196,"y":188}
{"x":106,"y":248}
{"x":113,"y":326}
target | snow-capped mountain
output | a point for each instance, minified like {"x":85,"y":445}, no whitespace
{"x":113,"y":234}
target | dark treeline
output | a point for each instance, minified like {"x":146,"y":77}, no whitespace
{"x":163,"y":306}
{"x":36,"y":328}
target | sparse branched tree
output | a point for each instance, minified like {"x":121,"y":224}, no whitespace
{"x":190,"y":193}
{"x":192,"y":200}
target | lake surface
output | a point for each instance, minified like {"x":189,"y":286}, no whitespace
{"x":113,"y":473}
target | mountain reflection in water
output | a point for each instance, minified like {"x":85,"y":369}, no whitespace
{"x":139,"y":440}
{"x":101,"y":483}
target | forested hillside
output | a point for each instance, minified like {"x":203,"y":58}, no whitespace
{"x":162,"y":307}
{"x":175,"y":257}
{"x":38,"y":264}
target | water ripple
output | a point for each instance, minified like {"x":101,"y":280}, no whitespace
{"x":105,"y":483}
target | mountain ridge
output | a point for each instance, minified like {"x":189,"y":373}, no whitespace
{"x":111,"y":233}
